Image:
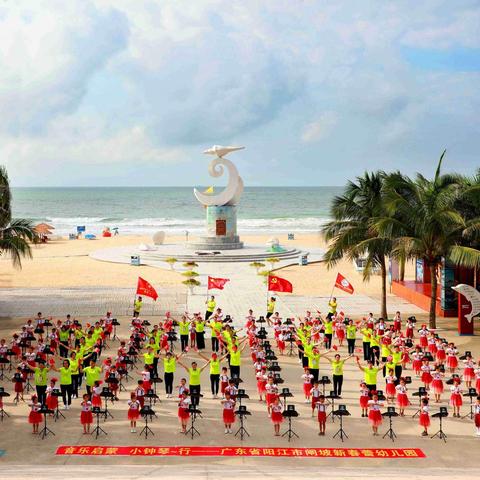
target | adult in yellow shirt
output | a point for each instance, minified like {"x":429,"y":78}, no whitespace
{"x":216,"y":328}
{"x":184,"y":330}
{"x":351,"y":336}
{"x":211,"y":304}
{"x":270,"y":309}
{"x":370,"y":374}
{"x":41,"y":380}
{"x":328,"y":326}
{"x":214,"y":362}
{"x":92,"y":374}
{"x":332,"y":307}
{"x":235,"y":358}
{"x":137,"y":307}
{"x":194,"y":380}
{"x":337,"y":372}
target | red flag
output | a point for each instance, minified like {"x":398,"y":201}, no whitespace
{"x":217,"y":283}
{"x":343,"y":284}
{"x":145,"y":289}
{"x":277,"y":284}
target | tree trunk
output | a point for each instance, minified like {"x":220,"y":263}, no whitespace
{"x":402,"y":270}
{"x":433,"y":297}
{"x":384,"y":289}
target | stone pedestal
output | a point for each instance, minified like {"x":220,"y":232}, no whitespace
{"x":221,"y":230}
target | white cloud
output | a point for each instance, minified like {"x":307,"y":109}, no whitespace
{"x":320,"y":128}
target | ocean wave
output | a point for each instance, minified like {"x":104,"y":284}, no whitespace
{"x":65,"y":225}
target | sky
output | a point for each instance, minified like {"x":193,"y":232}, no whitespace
{"x":130,"y":92}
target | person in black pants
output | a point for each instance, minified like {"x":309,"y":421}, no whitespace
{"x":351,"y":336}
{"x":337,"y":370}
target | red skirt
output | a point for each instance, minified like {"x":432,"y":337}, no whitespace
{"x":456,"y":400}
{"x":261,"y":386}
{"x":133,"y":413}
{"x":254,"y":356}
{"x":452,"y":362}
{"x":183,"y":413}
{"x":390,"y":390}
{"x":468,"y":374}
{"x":416,"y":365}
{"x":432,"y":348}
{"x":441,"y":355}
{"x":147,"y":385}
{"x":409,"y":333}
{"x":277,"y":417}
{"x":437,"y":386}
{"x":281,"y":345}
{"x":35,"y":417}
{"x":340,"y":334}
{"x":96,"y":401}
{"x":477,"y":420}
{"x":402,"y":400}
{"x":223,"y":386}
{"x":427,"y":378}
{"x":396,"y":326}
{"x":307,"y":387}
{"x":52,"y":402}
{"x":270,"y":397}
{"x":364,"y":401}
{"x":322,"y":417}
{"x":477,"y":386}
{"x":424,"y":419}
{"x":18,"y":387}
{"x":423,"y":342}
{"x":375,"y":417}
{"x":86,"y":418}
{"x":16,"y":350}
{"x":314,"y":401}
{"x":228,"y":416}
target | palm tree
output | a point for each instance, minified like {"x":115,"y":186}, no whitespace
{"x":423,"y":222}
{"x":351,"y":233}
{"x":15,"y":234}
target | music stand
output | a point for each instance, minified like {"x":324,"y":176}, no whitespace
{"x":285,"y":394}
{"x":380,"y":395}
{"x":28,"y":385}
{"x":242,"y":412}
{"x":290,"y":413}
{"x":3,"y":394}
{"x":106,"y":393}
{"x":332,"y":396}
{"x":155,"y":380}
{"x":3,"y":362}
{"x":112,"y":380}
{"x":261,"y":319}
{"x":152,"y":397}
{"x":451,"y":380}
{"x":236,"y":381}
{"x":390,"y":413}
{"x":324,"y":381}
{"x":45,"y":430}
{"x":440,"y":415}
{"x":270,"y":355}
{"x":261,"y":334}
{"x":10,"y":354}
{"x":472,"y":393}
{"x":194,"y":411}
{"x":57,"y":393}
{"x":98,"y":429}
{"x":274,"y":367}
{"x":341,"y":412}
{"x":122,"y":372}
{"x":146,"y":412}
{"x":420,"y":394}
{"x":115,"y":324}
{"x":277,"y":379}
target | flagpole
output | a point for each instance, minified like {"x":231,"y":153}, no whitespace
{"x":331,"y":294}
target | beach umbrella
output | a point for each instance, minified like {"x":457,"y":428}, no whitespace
{"x":44,"y":229}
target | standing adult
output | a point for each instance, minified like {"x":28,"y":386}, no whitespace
{"x":351,"y":336}
{"x":41,"y":380}
{"x":137,"y":306}
{"x":211,"y":304}
{"x":337,"y":372}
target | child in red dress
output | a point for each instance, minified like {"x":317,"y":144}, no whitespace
{"x":307,"y":384}
{"x":228,"y":412}
{"x":402,"y":398}
{"x":456,"y":400}
{"x":133,"y":412}
{"x":364,"y":398}
{"x":477,"y":415}
{"x":183,"y":412}
{"x":261,"y":382}
{"x":86,"y":416}
{"x":52,"y":400}
{"x":437,"y":383}
{"x":390,"y":391}
{"x":321,"y":406}
{"x":315,"y":395}
{"x":96,"y":391}
{"x":271,"y":394}
{"x":375,"y":414}
{"x":223,"y":381}
{"x":35,"y":418}
{"x":277,"y":417}
{"x":424,"y":418}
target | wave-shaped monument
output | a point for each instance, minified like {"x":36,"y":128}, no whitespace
{"x":221,"y":208}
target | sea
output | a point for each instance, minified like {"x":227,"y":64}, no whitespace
{"x":175,"y":210}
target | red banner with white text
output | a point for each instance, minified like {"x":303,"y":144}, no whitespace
{"x":207,"y":451}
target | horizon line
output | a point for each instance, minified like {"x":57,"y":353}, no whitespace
{"x":171,"y":186}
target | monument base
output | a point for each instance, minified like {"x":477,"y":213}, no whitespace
{"x":221,"y":230}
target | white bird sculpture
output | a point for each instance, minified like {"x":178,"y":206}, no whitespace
{"x":232,"y":192}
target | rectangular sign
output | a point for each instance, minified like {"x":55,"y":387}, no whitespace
{"x":93,"y":450}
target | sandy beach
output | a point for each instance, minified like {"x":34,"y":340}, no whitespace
{"x":65,"y":263}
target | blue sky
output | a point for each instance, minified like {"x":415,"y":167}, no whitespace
{"x":130,"y":92}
